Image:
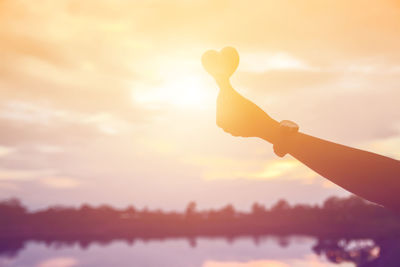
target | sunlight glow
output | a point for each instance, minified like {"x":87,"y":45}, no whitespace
{"x":263,"y":62}
{"x":180,"y":87}
{"x":60,"y":182}
{"x":218,"y":168}
{"x":59,"y":262}
{"x":310,"y":261}
{"x":4,"y":151}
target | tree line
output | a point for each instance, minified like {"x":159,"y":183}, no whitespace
{"x":348,"y":217}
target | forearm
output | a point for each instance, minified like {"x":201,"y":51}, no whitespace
{"x":369,"y":175}
{"x":366,"y":174}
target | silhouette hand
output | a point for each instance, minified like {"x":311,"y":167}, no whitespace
{"x":239,"y":116}
{"x":236,"y":114}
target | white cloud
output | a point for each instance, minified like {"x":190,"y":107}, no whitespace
{"x":261,"y":263}
{"x":263,"y":62}
{"x":48,"y":149}
{"x":225,"y":167}
{"x":58,"y":182}
{"x":30,"y":113}
{"x":386,"y":146}
{"x":22,"y":175}
{"x":59,"y":262}
{"x":4,"y":151}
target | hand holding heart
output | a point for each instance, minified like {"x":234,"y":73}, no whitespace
{"x":236,"y":114}
{"x":221,"y":65}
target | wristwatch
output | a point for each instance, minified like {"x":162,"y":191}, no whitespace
{"x":286,"y":129}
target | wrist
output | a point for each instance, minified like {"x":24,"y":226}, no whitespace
{"x":270,"y":131}
{"x":287,"y":129}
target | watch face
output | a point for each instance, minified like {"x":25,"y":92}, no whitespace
{"x":289,"y":125}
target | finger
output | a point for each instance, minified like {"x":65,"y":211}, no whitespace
{"x":209,"y":60}
{"x":229,"y":58}
{"x":221,"y":65}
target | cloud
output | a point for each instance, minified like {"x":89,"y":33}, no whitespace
{"x":261,"y":263}
{"x":25,"y":112}
{"x":22,"y":175}
{"x":60,"y":182}
{"x":311,"y":260}
{"x":263,"y":62}
{"x":4,"y":151}
{"x":48,"y":129}
{"x":48,"y":149}
{"x":288,"y":167}
{"x":283,"y":81}
{"x":59,"y":262}
{"x":228,"y":168}
{"x":386,"y":146}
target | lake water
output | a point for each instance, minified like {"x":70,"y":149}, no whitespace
{"x":201,"y":252}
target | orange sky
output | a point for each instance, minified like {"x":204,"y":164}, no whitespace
{"x":107,"y":102}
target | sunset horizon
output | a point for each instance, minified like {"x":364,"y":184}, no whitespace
{"x":150,"y":103}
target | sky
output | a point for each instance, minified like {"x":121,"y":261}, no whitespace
{"x":105,"y":101}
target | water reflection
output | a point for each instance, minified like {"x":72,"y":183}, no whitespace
{"x":363,"y":253}
{"x":259,"y":251}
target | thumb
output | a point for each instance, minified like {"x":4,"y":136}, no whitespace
{"x":212,"y":63}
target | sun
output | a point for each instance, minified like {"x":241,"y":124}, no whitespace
{"x":180,"y":89}
{"x":186,"y":92}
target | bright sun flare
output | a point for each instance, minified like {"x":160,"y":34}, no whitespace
{"x":180,"y":88}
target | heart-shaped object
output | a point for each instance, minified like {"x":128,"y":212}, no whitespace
{"x":221,"y":64}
